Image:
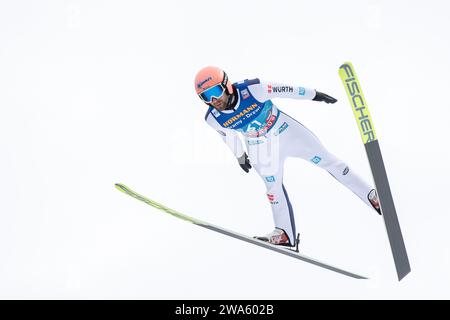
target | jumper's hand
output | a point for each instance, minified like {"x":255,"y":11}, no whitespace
{"x":244,"y":162}
{"x":324,"y":97}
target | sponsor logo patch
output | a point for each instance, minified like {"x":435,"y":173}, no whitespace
{"x":253,"y":142}
{"x":203,"y":82}
{"x":243,"y":113}
{"x":282,"y":128}
{"x":316,"y":159}
{"x":271,"y":198}
{"x":301,"y":91}
{"x":270,"y":179}
{"x":255,"y":132}
{"x":283,"y":89}
{"x":215,"y":113}
{"x":245,"y":94}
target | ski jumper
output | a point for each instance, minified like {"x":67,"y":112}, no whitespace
{"x":271,"y":136}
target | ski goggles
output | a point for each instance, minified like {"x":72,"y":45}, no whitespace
{"x":213,"y":92}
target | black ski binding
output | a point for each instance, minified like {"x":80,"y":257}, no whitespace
{"x":297,"y":242}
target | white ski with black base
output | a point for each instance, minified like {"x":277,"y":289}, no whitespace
{"x":283,"y":250}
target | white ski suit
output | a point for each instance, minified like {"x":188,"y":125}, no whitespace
{"x":271,"y":136}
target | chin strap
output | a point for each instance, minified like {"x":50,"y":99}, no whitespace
{"x":231,"y":101}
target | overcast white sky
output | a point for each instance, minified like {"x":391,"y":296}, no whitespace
{"x":98,"y":92}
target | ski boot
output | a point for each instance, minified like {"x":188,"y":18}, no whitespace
{"x":373,"y":199}
{"x":279,"y":238}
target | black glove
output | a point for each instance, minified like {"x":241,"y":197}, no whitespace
{"x":244,"y":162}
{"x":324,"y":97}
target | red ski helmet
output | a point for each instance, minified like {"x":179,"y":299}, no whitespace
{"x":212,"y":78}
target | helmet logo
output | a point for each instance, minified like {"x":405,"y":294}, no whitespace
{"x":203,"y":82}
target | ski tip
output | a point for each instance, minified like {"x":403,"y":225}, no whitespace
{"x":120,"y":186}
{"x":348,"y":63}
